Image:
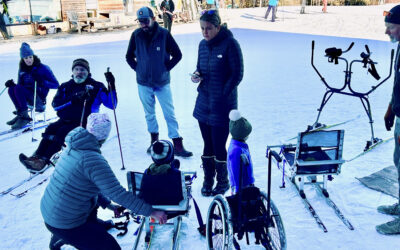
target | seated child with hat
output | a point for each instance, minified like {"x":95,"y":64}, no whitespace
{"x":161,"y":182}
{"x":240,"y":129}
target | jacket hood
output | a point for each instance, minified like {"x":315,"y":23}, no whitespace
{"x":80,"y":139}
{"x":222,"y":34}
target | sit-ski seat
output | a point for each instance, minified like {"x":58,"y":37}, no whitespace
{"x":156,"y":189}
{"x":316,"y":153}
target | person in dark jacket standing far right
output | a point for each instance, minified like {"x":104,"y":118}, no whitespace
{"x":168,"y":7}
{"x":392,"y":22}
{"x":219,"y":71}
{"x":152,"y":53}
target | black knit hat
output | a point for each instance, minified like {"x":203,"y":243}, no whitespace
{"x":81,"y":62}
{"x":393,"y":16}
{"x":162,"y":152}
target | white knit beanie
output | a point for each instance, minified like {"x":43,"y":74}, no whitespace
{"x":99,"y":125}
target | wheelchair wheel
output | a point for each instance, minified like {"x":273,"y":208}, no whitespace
{"x":219,"y":229}
{"x":274,"y":236}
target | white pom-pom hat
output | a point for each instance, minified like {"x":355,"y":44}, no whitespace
{"x":239,"y":127}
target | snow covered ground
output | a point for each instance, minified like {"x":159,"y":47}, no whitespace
{"x":279,"y":95}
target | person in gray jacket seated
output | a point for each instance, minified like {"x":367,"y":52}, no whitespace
{"x":69,"y":204}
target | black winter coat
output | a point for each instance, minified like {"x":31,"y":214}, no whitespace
{"x":220,"y":64}
{"x":70,"y":111}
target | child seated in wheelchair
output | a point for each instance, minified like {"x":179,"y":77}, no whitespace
{"x":245,"y":194}
{"x":161,"y":182}
{"x":240,"y":129}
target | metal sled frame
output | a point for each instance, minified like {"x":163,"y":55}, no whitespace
{"x":346,"y":89}
{"x":317,"y":153}
{"x":307,"y":171}
{"x":134,"y":183}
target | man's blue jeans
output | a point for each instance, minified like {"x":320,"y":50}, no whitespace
{"x":147,"y":97}
{"x":396,"y":155}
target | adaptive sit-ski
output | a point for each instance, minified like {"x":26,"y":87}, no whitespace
{"x":315,"y":158}
{"x":180,"y":184}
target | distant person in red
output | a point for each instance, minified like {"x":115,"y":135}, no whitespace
{"x":325,"y":3}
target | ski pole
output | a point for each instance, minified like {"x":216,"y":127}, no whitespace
{"x":3,"y":91}
{"x":33,"y":113}
{"x":116,"y":122}
{"x":88,"y":87}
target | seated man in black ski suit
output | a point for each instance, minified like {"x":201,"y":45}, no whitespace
{"x":74,"y":101}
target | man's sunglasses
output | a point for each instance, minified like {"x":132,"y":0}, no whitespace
{"x":208,"y":12}
{"x":144,"y":20}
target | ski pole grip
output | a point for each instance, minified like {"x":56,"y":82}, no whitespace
{"x":108,"y":69}
{"x":312,"y":44}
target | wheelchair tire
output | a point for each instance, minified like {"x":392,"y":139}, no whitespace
{"x":275,"y":233}
{"x":219,"y":228}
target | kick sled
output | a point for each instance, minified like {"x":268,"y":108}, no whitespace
{"x":334,"y":55}
{"x":249,"y":211}
{"x":314,"y":160}
{"x":171,"y":194}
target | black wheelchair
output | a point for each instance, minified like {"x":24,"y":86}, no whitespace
{"x":248,"y":211}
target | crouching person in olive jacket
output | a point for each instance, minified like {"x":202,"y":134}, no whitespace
{"x":69,"y":202}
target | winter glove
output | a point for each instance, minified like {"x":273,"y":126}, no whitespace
{"x":9,"y":83}
{"x":80,"y":97}
{"x":389,"y":118}
{"x":195,"y":77}
{"x":110,"y":80}
{"x":117,"y":209}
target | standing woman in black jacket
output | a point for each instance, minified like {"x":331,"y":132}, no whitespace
{"x":219,"y":72}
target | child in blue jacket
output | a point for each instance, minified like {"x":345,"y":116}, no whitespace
{"x":240,"y":129}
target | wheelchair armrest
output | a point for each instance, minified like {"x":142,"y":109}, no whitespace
{"x":316,"y":163}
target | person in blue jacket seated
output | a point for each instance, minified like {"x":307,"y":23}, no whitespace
{"x":31,"y":74}
{"x":81,"y":176}
{"x":240,"y":129}
{"x":74,"y":101}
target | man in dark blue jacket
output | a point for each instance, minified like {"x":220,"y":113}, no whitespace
{"x":152,"y":53}
{"x":74,"y":101}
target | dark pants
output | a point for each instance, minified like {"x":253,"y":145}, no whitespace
{"x":214,"y":140}
{"x":53,"y":138}
{"x":167,"y":22}
{"x":91,"y":235}
{"x":3,"y":28}
{"x":22,"y":97}
{"x":273,"y":12}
